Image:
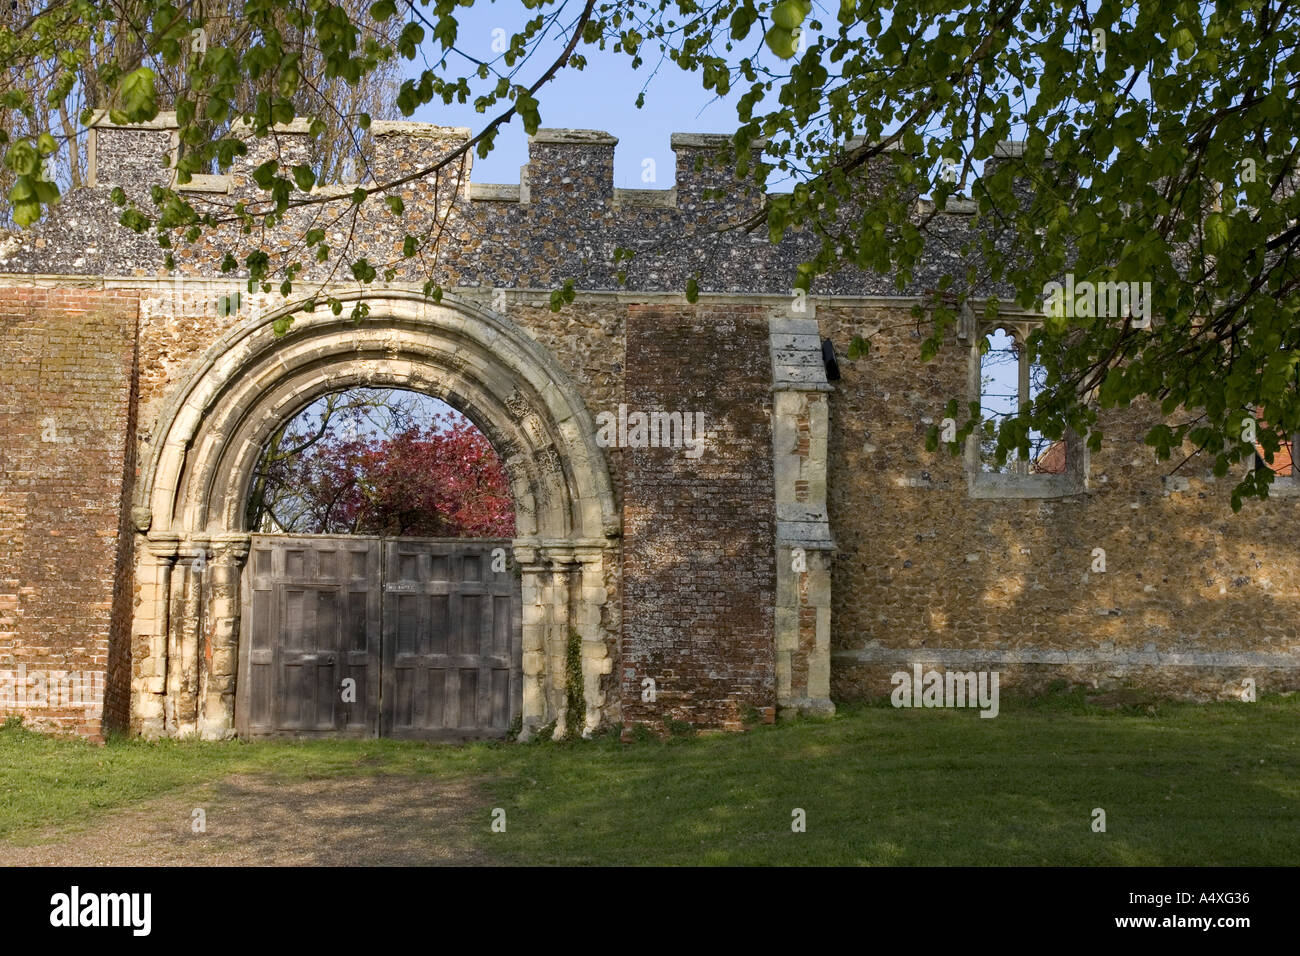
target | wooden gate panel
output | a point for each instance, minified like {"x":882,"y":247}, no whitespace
{"x":426,"y":630}
{"x":313,"y":609}
{"x":450,"y":667}
{"x":255,"y":693}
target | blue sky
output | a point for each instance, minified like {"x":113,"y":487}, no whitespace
{"x":602,"y":96}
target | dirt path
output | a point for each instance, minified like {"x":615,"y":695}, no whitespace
{"x":252,"y":821}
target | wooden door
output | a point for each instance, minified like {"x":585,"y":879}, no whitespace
{"x":360,"y":636}
{"x":451,"y":639}
{"x":310,"y":659}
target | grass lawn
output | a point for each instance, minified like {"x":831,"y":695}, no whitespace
{"x":1180,"y":784}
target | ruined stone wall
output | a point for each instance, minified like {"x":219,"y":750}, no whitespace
{"x":702,"y":594}
{"x":699,"y":578}
{"x":1194,"y":599}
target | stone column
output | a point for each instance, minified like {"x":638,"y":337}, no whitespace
{"x":184,"y":638}
{"x":561,"y":567}
{"x":221,"y":659}
{"x":155,"y":556}
{"x":533,"y":615}
{"x":596,"y":659}
{"x":800,"y":427}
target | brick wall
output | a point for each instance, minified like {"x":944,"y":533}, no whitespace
{"x":699,"y":568}
{"x":66,"y":414}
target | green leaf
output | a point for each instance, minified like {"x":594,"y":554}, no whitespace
{"x":25,"y":211}
{"x":742,"y":20}
{"x":305,"y":177}
{"x":444,"y":31}
{"x":408,"y":43}
{"x":47,"y":193}
{"x":858,"y":348}
{"x":264,"y":175}
{"x":363,"y":271}
{"x":1216,"y":231}
{"x":23,"y":159}
{"x":526,"y":106}
{"x":780,"y":41}
{"x":789,"y":14}
{"x":289,"y":76}
{"x":138,"y":99}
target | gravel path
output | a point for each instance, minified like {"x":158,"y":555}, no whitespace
{"x":259,"y":821}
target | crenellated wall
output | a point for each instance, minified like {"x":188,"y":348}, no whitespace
{"x":563,"y":221}
{"x":812,"y":549}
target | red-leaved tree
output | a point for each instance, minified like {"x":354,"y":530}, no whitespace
{"x":445,"y":480}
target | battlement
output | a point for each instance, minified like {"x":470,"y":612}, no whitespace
{"x":561,"y":162}
{"x":563,"y":220}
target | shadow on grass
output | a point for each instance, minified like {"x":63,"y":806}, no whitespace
{"x":1179,"y":783}
{"x":1191,"y":784}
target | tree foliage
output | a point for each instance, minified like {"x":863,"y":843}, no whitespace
{"x":1160,"y":147}
{"x":61,"y":65}
{"x":363,"y":463}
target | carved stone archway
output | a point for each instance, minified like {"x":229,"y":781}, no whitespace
{"x":190,"y":502}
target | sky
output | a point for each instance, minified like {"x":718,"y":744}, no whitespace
{"x":602,"y":96}
{"x":374,"y":413}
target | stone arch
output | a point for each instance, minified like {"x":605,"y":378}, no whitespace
{"x":195,"y":478}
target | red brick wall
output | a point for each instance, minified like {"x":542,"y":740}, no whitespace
{"x":699,"y":572}
{"x":67,"y":417}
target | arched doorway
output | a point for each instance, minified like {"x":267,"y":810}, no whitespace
{"x":190,"y":504}
{"x":378,"y":594}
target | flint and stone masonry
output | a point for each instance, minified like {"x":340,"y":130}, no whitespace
{"x":811,"y":551}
